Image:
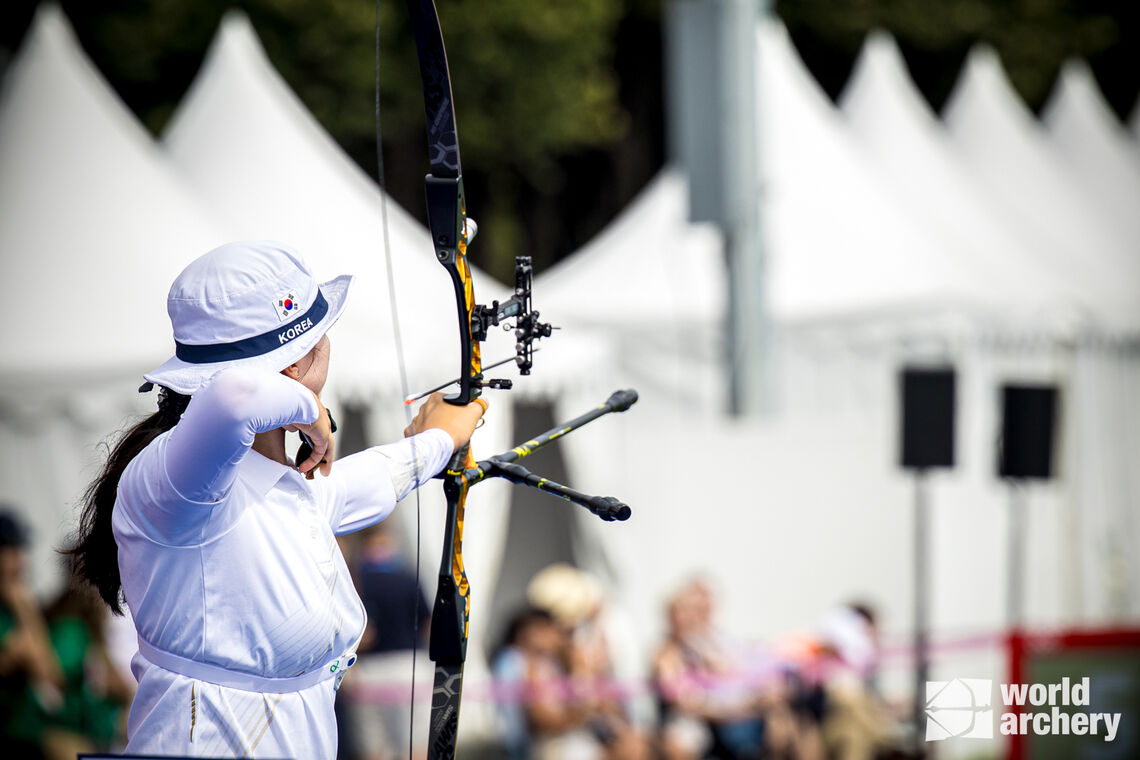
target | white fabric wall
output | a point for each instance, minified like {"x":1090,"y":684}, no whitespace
{"x":807,"y":510}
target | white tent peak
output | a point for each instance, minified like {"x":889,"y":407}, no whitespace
{"x":893,"y":122}
{"x":92,"y":219}
{"x":249,"y":147}
{"x":241,"y":116}
{"x":880,"y":74}
{"x":983,"y":83}
{"x":51,"y":42}
{"x":776,"y":48}
{"x":843,"y":240}
{"x":1011,"y":155}
{"x":236,"y":54}
{"x":1095,"y":146}
{"x":1076,"y":95}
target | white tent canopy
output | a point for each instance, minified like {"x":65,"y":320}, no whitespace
{"x":894,"y":124}
{"x":837,"y":237}
{"x":94,"y":226}
{"x":1095,"y":146}
{"x":1007,"y":150}
{"x":846,"y":235}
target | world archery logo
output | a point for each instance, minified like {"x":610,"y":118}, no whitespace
{"x":959,"y":708}
{"x":287,"y":305}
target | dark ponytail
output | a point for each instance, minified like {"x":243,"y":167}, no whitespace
{"x":95,"y":555}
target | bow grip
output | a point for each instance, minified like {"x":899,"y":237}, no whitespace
{"x":448,"y":642}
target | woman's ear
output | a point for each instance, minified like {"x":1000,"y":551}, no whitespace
{"x":292,"y":371}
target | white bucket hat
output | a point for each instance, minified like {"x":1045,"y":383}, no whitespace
{"x":253,"y":303}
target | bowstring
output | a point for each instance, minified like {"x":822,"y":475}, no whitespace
{"x":405,"y":392}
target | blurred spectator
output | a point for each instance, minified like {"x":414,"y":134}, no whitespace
{"x":378,"y":710}
{"x":856,"y":725}
{"x":90,"y":716}
{"x":30,"y":677}
{"x":705,"y":710}
{"x":576,"y":601}
{"x":529,"y":701}
{"x":686,"y":733}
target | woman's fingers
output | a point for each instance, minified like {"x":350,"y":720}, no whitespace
{"x":326,"y":462}
{"x":320,"y":446}
{"x":320,"y":438}
{"x":457,"y":421}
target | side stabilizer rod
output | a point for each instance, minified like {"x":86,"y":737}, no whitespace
{"x":606,"y":507}
{"x":503,"y":465}
{"x":619,"y":401}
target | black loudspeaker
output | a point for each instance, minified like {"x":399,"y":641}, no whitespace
{"x":1027,"y":424}
{"x":927,"y":418}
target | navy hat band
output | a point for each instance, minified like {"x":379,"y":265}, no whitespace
{"x":257,"y":345}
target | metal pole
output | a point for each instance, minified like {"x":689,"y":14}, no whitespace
{"x":712,"y":100}
{"x":751,"y":382}
{"x":921,"y":566}
{"x":1015,"y":596}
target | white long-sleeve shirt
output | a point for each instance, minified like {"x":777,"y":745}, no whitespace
{"x":229,"y":559}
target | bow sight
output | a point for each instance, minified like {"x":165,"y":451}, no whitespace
{"x":526,"y":326}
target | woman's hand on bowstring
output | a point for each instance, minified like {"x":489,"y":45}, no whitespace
{"x":320,"y":437}
{"x":457,"y":421}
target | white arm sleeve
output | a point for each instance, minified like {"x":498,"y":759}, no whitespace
{"x":218,"y":427}
{"x":375,"y":479}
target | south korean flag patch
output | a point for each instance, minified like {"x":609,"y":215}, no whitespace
{"x":287,"y":305}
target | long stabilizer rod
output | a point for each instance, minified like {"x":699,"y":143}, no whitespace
{"x":502,"y":465}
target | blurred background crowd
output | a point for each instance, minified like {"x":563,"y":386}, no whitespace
{"x":555,"y":689}
{"x":61,"y":692}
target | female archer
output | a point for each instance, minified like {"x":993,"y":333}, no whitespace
{"x":222,"y":549}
